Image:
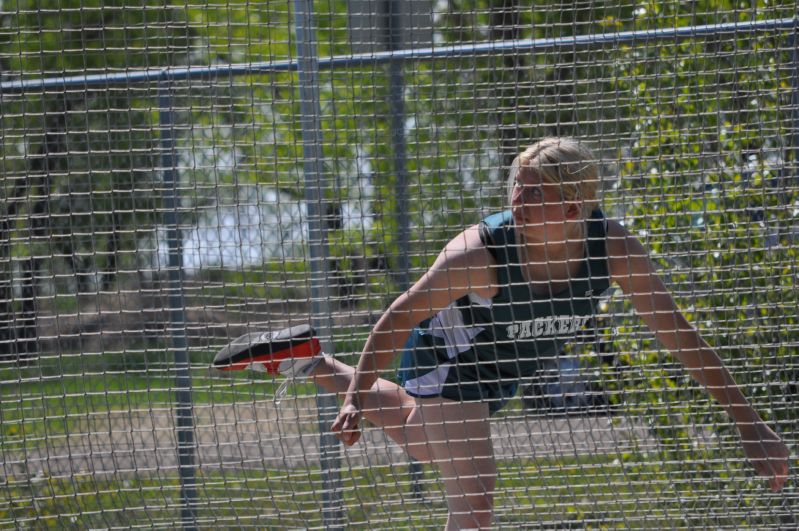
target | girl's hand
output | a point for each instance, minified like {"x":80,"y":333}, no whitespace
{"x":346,"y":426}
{"x":767,"y":453}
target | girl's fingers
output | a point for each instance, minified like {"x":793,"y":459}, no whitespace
{"x":346,"y":428}
{"x":777,"y":481}
{"x":776,"y":470}
{"x":780,"y":476}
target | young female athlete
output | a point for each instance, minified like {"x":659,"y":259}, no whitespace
{"x":500,"y":295}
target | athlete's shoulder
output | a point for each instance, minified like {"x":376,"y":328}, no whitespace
{"x":626,"y":253}
{"x":621,"y":242}
{"x":464,"y":266}
{"x":468,"y":246}
{"x":616,"y":229}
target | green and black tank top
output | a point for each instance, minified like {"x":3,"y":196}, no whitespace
{"x":496,"y":341}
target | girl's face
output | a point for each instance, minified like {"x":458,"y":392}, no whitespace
{"x":539,"y":210}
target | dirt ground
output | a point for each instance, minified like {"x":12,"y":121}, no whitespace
{"x":266,"y":435}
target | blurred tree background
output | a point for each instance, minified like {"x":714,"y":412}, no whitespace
{"x":697,"y":137}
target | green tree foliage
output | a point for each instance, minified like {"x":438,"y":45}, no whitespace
{"x":708,"y":180}
{"x":75,"y":162}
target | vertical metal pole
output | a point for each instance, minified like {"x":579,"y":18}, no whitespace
{"x":793,"y":42}
{"x":184,"y":416}
{"x":790,"y":504}
{"x":311,"y":127}
{"x":396,"y":102}
{"x":396,"y":99}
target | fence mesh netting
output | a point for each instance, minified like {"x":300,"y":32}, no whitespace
{"x":157,"y":203}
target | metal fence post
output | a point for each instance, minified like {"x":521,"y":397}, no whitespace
{"x":310,"y":116}
{"x":793,"y":42}
{"x":396,"y":98}
{"x":396,"y":102}
{"x":184,"y":413}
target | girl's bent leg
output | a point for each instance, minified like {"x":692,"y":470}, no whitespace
{"x":455,"y":436}
{"x":386,"y":405}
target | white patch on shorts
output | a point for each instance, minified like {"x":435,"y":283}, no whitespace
{"x":430,"y":383}
{"x":447,"y":325}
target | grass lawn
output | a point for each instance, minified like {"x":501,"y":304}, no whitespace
{"x":40,"y":401}
{"x":592,"y":492}
{"x":34,"y":405}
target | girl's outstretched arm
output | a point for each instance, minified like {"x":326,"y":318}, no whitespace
{"x":631,"y":268}
{"x":463,"y":266}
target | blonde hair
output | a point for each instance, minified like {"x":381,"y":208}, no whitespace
{"x":564,"y":161}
